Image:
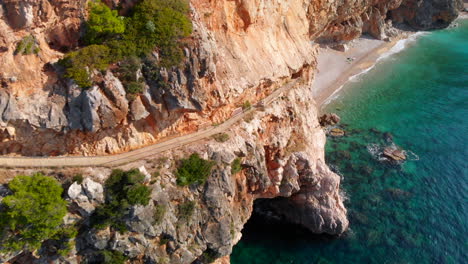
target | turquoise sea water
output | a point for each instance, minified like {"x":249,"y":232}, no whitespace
{"x":416,"y":212}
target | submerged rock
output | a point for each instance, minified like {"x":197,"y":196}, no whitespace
{"x":329,"y":120}
{"x":337,"y":132}
{"x":398,"y":193}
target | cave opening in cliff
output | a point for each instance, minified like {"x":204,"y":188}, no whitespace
{"x":268,"y":225}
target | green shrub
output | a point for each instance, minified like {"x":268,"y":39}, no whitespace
{"x":155,"y":174}
{"x":138,"y":194}
{"x":236,"y":166}
{"x":193,"y":170}
{"x":209,"y":256}
{"x":159,"y":23}
{"x":111,"y":257}
{"x":78,"y":178}
{"x":28,"y":45}
{"x":65,"y":240}
{"x":186,"y":210}
{"x":79,"y":64}
{"x":122,"y":190}
{"x":221,"y":137}
{"x":159,"y":213}
{"x":103,"y":23}
{"x":246,"y":105}
{"x":134,"y":88}
{"x":153,"y":23}
{"x":32,"y":214}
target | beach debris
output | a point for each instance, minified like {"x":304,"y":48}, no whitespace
{"x":394,"y":154}
{"x":350,"y":59}
{"x":337,"y":132}
{"x":329,"y":119}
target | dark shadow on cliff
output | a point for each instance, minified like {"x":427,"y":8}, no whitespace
{"x":266,"y":227}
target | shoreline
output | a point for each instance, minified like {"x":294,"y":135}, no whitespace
{"x":334,"y":71}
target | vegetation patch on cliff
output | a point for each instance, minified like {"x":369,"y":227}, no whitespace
{"x":32,"y":214}
{"x":193,"y":170}
{"x":122,"y":190}
{"x":236,"y":166}
{"x":152,"y":24}
{"x":28,"y":45}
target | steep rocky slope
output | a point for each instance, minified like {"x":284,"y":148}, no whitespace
{"x":237,"y":48}
{"x":240,"y":51}
{"x":282,"y":155}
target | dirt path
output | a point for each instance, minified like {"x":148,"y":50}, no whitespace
{"x":134,"y":155}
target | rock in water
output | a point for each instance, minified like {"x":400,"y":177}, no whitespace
{"x":337,"y":132}
{"x":394,"y":154}
{"x":329,"y":120}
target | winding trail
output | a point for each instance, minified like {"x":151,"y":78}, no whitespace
{"x":134,"y":155}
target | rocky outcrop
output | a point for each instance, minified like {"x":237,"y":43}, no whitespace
{"x":281,"y":153}
{"x":427,"y":14}
{"x":238,"y":49}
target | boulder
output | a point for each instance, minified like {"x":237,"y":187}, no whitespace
{"x":394,"y":154}
{"x":143,"y":171}
{"x":75,"y":191}
{"x":138,"y":110}
{"x":329,"y":120}
{"x":99,"y":239}
{"x":93,"y":190}
{"x":337,"y":132}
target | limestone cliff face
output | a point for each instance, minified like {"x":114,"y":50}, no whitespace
{"x":429,"y":14}
{"x":281,"y":149}
{"x":237,"y":50}
{"x":240,"y":51}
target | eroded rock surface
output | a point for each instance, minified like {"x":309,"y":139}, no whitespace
{"x":277,"y":159}
{"x":237,"y":51}
{"x":240,"y":51}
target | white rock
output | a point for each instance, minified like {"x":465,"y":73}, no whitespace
{"x":93,"y":190}
{"x":75,"y":190}
{"x":143,"y":170}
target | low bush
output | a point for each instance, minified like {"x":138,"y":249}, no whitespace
{"x":78,"y":178}
{"x":152,"y":24}
{"x":159,"y":213}
{"x":111,"y":257}
{"x":64,"y":240}
{"x":246,"y":105}
{"x":103,"y":23}
{"x":236,"y":166}
{"x":193,"y":170}
{"x":221,"y":137}
{"x":32,"y":214}
{"x":28,"y":45}
{"x":123,"y":189}
{"x":186,"y":210}
{"x":79,"y":64}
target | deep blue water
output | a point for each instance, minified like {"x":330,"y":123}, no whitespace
{"x":416,"y":212}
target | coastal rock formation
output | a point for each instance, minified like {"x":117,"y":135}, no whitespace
{"x":238,"y":49}
{"x":239,"y":52}
{"x":289,"y":165}
{"x":427,"y":14}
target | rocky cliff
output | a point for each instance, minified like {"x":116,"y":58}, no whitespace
{"x":237,"y":48}
{"x":239,"y":51}
{"x":281,"y":150}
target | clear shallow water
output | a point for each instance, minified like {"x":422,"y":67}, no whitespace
{"x":413,"y":213}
